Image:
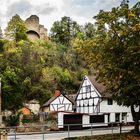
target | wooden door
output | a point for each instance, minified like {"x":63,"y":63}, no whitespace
{"x":74,"y":121}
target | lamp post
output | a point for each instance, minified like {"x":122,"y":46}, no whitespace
{"x":0,"y":105}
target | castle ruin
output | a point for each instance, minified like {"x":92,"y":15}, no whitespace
{"x":35,"y":30}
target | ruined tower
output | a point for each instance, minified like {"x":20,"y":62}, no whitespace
{"x":35,"y":30}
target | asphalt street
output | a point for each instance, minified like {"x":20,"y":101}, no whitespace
{"x":65,"y":134}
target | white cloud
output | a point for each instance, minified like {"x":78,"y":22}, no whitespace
{"x":88,"y":8}
{"x":49,"y":11}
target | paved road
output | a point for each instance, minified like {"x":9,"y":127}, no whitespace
{"x":64,"y":134}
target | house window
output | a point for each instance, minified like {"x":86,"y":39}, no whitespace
{"x":108,"y":118}
{"x":110,"y":102}
{"x":124,"y":117}
{"x":88,"y":88}
{"x":117,"y":117}
{"x":97,"y":119}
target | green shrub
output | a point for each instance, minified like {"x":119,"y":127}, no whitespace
{"x":12,"y":120}
{"x":30,"y":119}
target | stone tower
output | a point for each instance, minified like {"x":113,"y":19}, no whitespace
{"x":35,"y":30}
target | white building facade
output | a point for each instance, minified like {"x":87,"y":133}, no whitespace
{"x":58,"y":102}
{"x":92,"y":100}
{"x":61,"y":103}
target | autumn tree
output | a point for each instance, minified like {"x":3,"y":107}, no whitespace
{"x":115,"y":55}
{"x":16,"y":29}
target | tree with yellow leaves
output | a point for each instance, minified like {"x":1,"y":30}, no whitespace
{"x":115,"y":54}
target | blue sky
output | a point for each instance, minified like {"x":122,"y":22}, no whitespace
{"x":49,"y":11}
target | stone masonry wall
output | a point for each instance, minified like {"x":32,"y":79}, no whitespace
{"x":35,"y":30}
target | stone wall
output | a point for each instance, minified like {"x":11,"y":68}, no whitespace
{"x":35,"y":30}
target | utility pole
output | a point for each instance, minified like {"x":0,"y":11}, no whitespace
{"x":0,"y":105}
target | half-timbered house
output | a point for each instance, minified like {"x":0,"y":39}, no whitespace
{"x":93,"y":105}
{"x":59,"y":102}
{"x":92,"y":99}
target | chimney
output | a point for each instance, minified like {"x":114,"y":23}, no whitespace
{"x":57,"y":92}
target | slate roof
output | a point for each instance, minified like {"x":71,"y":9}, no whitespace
{"x":49,"y":101}
{"x":99,"y":86}
{"x":53,"y":98}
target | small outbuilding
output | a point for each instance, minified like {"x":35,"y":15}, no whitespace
{"x":59,"y":102}
{"x":25,"y":110}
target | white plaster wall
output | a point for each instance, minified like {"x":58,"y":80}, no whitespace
{"x":66,"y":101}
{"x":91,"y":109}
{"x":129,"y":117}
{"x":105,"y":108}
{"x":112,"y":109}
{"x":53,"y":107}
{"x":61,"y":97}
{"x":87,"y":98}
{"x":112,"y":117}
{"x":105,"y":118}
{"x":56,"y":101}
{"x":61,"y":107}
{"x":85,"y":121}
{"x":58,"y":105}
{"x":69,"y":107}
{"x":60,"y":119}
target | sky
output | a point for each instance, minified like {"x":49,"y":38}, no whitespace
{"x":50,"y":11}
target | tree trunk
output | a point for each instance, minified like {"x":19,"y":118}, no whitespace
{"x":136,"y":120}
